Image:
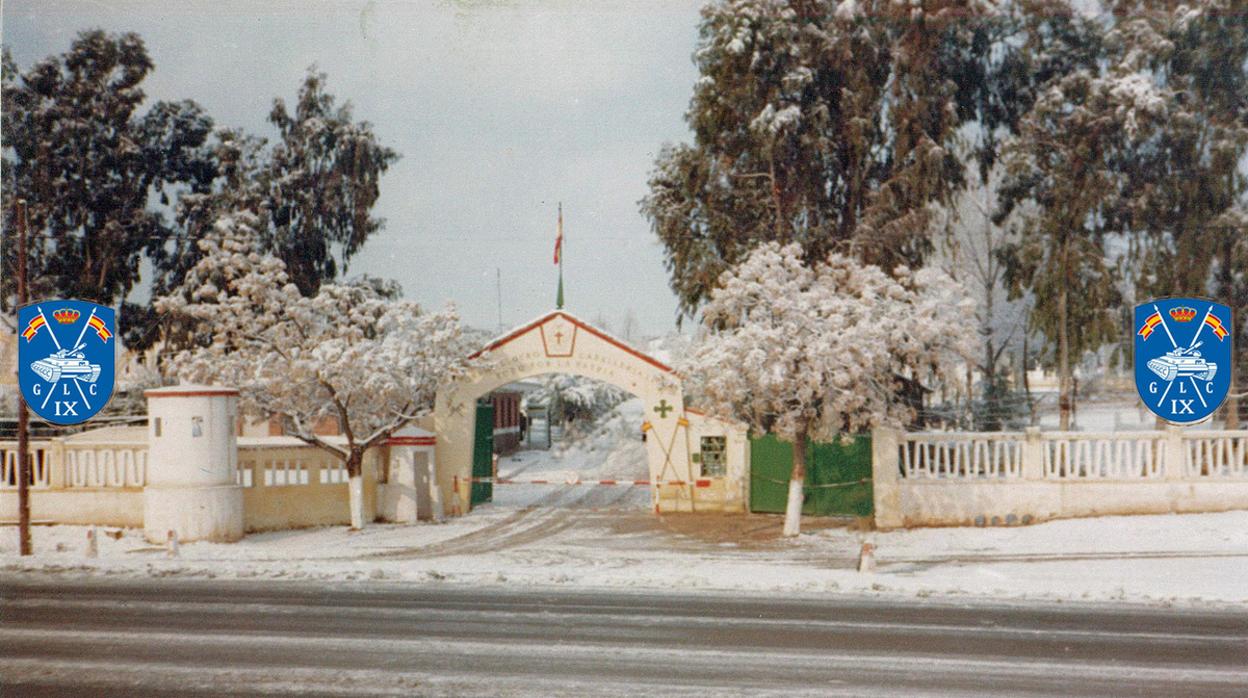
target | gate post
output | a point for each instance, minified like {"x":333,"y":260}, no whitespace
{"x":886,"y":477}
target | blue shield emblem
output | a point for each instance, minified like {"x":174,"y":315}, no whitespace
{"x":1183,"y":357}
{"x":66,"y":355}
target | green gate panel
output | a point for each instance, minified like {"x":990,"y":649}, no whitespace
{"x":483,"y":454}
{"x":771,"y":463}
{"x":847,"y":465}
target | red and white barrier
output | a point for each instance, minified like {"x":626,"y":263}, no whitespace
{"x":620,"y":483}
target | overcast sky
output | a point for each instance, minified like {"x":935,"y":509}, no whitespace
{"x":499,"y":109}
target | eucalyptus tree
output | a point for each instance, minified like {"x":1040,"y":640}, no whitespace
{"x":819,"y":123}
{"x":92,"y":166}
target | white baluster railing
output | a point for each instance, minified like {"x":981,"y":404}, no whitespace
{"x":962,"y":456}
{"x":1104,"y":456}
{"x":106,"y":465}
{"x":1215,"y":454}
{"x":41,"y":460}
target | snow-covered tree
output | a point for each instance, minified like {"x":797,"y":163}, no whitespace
{"x":819,"y":352}
{"x":1193,"y":185}
{"x":346,"y":353}
{"x":570,"y":397}
{"x":822,"y":122}
{"x":89,"y":163}
{"x":968,"y":252}
{"x":324,"y":179}
{"x":1075,"y":157}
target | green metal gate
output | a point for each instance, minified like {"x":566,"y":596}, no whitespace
{"x":838,"y":477}
{"x":483,"y":454}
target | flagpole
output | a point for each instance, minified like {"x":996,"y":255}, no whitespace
{"x":559,"y":297}
{"x":55,"y":341}
{"x":1166,"y":327}
{"x":85,"y":325}
{"x":1202,"y":326}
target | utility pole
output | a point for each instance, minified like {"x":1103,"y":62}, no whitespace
{"x":23,"y":424}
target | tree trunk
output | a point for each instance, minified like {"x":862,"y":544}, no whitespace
{"x":1063,"y":347}
{"x":355,"y":489}
{"x":1226,"y":293}
{"x":1031,"y":403}
{"x":793,"y":510}
{"x":778,"y":201}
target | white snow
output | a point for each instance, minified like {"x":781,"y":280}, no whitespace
{"x":610,"y":448}
{"x":588,"y":536}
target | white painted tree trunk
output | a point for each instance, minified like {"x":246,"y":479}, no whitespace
{"x":793,"y":510}
{"x":355,"y":489}
{"x":797,"y":478}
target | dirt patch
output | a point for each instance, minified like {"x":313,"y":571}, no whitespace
{"x":741,"y":531}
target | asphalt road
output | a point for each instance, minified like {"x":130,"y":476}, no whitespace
{"x":176,"y":637}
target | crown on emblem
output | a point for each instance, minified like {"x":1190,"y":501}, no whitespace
{"x":66,"y":316}
{"x":1182,"y":314}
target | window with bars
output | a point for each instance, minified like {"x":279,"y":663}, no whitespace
{"x":714,"y":456}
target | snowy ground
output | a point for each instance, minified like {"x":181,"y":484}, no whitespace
{"x":602,"y":536}
{"x":596,"y":537}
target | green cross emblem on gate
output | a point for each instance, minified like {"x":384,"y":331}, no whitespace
{"x":663,"y":408}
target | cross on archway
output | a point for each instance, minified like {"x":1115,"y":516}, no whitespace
{"x":663,"y":408}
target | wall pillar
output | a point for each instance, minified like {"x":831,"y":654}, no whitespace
{"x":191,"y":465}
{"x":1033,"y":454}
{"x":886,"y":478}
{"x":1176,"y":458}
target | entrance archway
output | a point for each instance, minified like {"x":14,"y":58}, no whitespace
{"x":559,"y":342}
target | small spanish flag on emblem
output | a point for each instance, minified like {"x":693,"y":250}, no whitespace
{"x":1216,"y":325}
{"x":100,"y":328}
{"x":33,"y":328}
{"x":1150,"y":324}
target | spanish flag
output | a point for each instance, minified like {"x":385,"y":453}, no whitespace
{"x":559,"y":235}
{"x":1150,"y":324}
{"x":33,"y":328}
{"x":100,"y":328}
{"x":1216,"y":325}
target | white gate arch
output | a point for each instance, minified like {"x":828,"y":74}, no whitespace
{"x":559,"y":342}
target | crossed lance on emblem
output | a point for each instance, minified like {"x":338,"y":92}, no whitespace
{"x":1182,"y":362}
{"x":68,"y":364}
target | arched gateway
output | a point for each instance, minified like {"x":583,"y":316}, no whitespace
{"x":559,"y":342}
